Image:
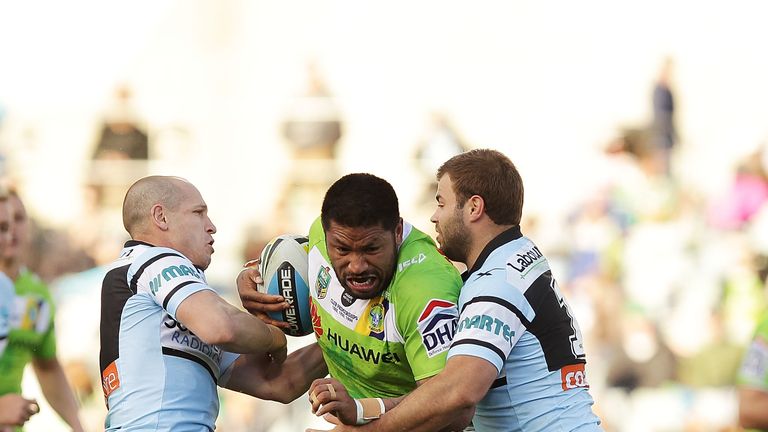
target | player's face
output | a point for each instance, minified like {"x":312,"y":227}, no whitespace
{"x":452,"y":234}
{"x":192,"y":229}
{"x":364,"y":258}
{"x":6,"y":225}
{"x":19,"y":228}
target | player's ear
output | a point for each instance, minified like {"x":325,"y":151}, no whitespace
{"x":476,"y":207}
{"x":399,"y":232}
{"x":159,"y":217}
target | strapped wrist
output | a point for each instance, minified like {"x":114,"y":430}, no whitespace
{"x":369,"y":409}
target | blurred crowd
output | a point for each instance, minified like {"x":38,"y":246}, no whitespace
{"x":667,"y":280}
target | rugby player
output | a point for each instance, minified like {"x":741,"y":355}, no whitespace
{"x":32,"y":338}
{"x":167,"y":338}
{"x":383,"y":301}
{"x":15,"y":410}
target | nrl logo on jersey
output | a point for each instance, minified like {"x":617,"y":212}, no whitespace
{"x":322,"y":282}
{"x":437,"y":325}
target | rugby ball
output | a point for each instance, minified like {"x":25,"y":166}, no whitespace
{"x":284,"y":269}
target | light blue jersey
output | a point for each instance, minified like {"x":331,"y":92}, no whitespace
{"x":513,"y":315}
{"x":156,"y":374}
{"x":6,"y":305}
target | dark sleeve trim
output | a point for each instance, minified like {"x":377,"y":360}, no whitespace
{"x":500,"y":302}
{"x":173,"y":291}
{"x":483,"y":344}
{"x":135,"y":278}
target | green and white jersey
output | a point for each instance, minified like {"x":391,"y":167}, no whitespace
{"x":32,"y":331}
{"x":754,"y":368}
{"x":381,"y":346}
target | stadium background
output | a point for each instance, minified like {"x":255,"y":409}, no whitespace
{"x":549,"y":83}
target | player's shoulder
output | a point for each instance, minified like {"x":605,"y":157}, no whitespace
{"x":158,"y":260}
{"x":316,"y":236}
{"x":422,"y":272}
{"x":418,"y":252}
{"x":518,"y":263}
{"x":762,"y":325}
{"x":29,"y":282}
{"x":6,"y":285}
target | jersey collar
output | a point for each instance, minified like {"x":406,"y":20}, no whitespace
{"x":505,"y":237}
{"x":131,"y":243}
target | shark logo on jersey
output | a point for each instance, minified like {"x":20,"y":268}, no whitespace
{"x":437,"y":325}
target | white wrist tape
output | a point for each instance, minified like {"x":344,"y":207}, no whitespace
{"x":369,"y":409}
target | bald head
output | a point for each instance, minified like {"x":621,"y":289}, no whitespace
{"x":145,"y":193}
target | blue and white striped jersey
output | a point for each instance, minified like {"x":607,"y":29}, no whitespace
{"x":513,"y":315}
{"x":156,"y":374}
{"x":6,"y":306}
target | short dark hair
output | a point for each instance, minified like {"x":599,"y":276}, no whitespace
{"x":361,"y":200}
{"x":491,"y":175}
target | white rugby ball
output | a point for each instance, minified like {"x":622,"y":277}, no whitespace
{"x":284,"y":269}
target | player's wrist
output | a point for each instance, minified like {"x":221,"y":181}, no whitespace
{"x":277,"y":338}
{"x":369,"y":409}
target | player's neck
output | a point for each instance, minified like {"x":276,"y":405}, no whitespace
{"x":11,"y":267}
{"x":480,"y":238}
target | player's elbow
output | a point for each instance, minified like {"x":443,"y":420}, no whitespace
{"x":285,"y":397}
{"x":462,"y":403}
{"x":461,"y":419}
{"x":459,"y":408}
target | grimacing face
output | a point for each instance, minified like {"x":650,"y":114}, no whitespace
{"x":452,"y":235}
{"x":364,"y":258}
{"x":191,"y":228}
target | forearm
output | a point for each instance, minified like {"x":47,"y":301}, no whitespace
{"x":423,"y":411}
{"x":753,"y":408}
{"x":444,"y":402}
{"x":58,"y":393}
{"x":458,"y":421}
{"x":279,"y":382}
{"x":217,"y":322}
{"x":250,"y":334}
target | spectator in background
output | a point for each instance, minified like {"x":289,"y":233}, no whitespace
{"x":313,"y":124}
{"x":122,"y":149}
{"x":32,"y":338}
{"x":663,"y":126}
{"x":440,"y":141}
{"x":753,"y":380}
{"x":312,"y":127}
{"x":121,"y":136}
{"x":745,"y":196}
